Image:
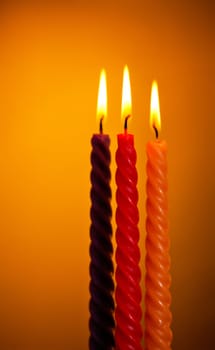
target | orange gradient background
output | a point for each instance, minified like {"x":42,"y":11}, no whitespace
{"x":50,"y":61}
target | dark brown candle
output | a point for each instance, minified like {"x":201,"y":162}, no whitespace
{"x":101,"y":323}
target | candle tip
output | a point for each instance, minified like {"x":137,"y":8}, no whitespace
{"x":156,"y":131}
{"x":126,"y":123}
{"x":101,"y":125}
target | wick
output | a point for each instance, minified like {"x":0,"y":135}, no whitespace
{"x":156,"y":131}
{"x":101,"y":125}
{"x":126,"y":124}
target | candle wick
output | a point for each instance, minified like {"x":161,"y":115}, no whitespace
{"x":126,"y":123}
{"x":101,"y":125}
{"x":156,"y":131}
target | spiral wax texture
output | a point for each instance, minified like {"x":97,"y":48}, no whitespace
{"x":158,"y":334}
{"x":101,"y":323}
{"x":128,"y":292}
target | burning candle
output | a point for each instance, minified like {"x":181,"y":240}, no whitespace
{"x":128,"y":313}
{"x":158,"y":334}
{"x":101,"y":323}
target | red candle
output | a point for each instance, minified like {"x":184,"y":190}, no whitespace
{"x":158,"y":334}
{"x":128,"y":312}
{"x":101,"y":323}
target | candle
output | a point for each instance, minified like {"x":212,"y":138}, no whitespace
{"x":101,"y":323}
{"x":128,"y":312}
{"x":158,"y":334}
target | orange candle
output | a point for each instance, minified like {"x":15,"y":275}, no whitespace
{"x":158,"y":334}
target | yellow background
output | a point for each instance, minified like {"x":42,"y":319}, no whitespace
{"x":51,"y":56}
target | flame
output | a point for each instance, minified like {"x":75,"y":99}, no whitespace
{"x":155,"y":120}
{"x":126,"y":94}
{"x":102,"y":97}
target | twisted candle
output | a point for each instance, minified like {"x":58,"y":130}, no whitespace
{"x":158,"y":335}
{"x":101,"y":305}
{"x":128,"y":292}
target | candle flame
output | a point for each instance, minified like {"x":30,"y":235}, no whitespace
{"x":155,"y":120}
{"x":102,"y":97}
{"x":126,"y":94}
